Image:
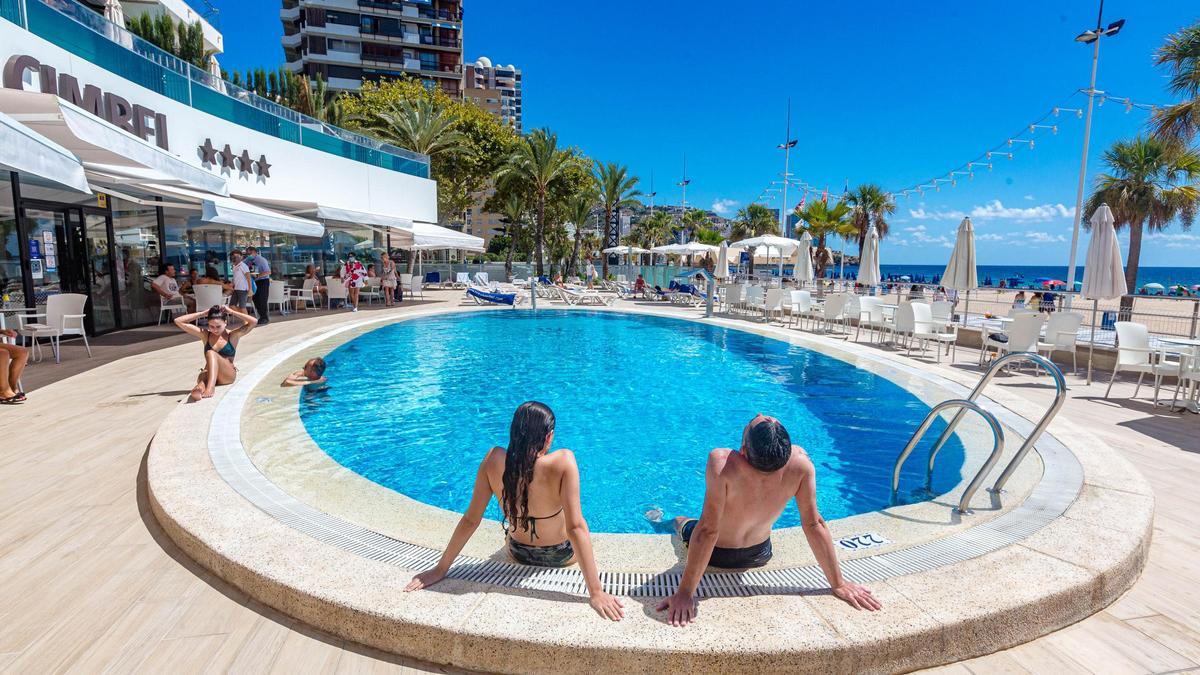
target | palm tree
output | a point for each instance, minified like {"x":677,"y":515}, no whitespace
{"x":871,"y":206}
{"x":317,"y":102}
{"x":417,"y":125}
{"x":754,"y":220}
{"x":693,"y":221}
{"x":1181,"y":55}
{"x":1151,"y":182}
{"x":707,"y":235}
{"x":579,"y":210}
{"x":536,"y":161}
{"x":823,"y":221}
{"x":617,"y":190}
{"x":514,"y":210}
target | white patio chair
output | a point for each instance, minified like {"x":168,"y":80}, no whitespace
{"x":943,"y":313}
{"x":925,"y":329}
{"x":64,"y":315}
{"x":832,"y":311}
{"x":1062,"y":334}
{"x":752,"y":299}
{"x":406,"y":280}
{"x":372,"y":291}
{"x":871,"y":317}
{"x":1023,"y":334}
{"x":416,"y":290}
{"x":174,"y":305}
{"x":277,"y":295}
{"x":851,"y":312}
{"x":209,"y":295}
{"x":481,"y":278}
{"x":335,"y":290}
{"x":733,"y":297}
{"x":774,"y":303}
{"x":799,"y":306}
{"x":462,"y":280}
{"x":1134,"y":355}
{"x":304,"y":296}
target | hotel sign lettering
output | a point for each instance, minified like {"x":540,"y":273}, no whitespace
{"x":131,"y":117}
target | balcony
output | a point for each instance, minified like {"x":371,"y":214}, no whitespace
{"x":422,"y":14}
{"x":292,"y":40}
{"x":89,"y":36}
{"x":290,"y":13}
{"x":438,"y":41}
{"x":335,"y":30}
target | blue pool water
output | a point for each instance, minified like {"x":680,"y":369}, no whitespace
{"x":415,"y":405}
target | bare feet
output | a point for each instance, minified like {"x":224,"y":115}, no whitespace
{"x":208,"y":393}
{"x":197,"y":393}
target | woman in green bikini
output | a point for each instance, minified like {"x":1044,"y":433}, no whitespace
{"x":539,"y":495}
{"x":220,"y":346}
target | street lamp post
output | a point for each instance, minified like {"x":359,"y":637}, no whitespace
{"x":1091,"y":37}
{"x":683,"y":184}
{"x":787,"y":145}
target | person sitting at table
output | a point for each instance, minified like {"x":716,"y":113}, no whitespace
{"x":168,"y":288}
{"x":1018,"y":300}
{"x":1035,"y":302}
{"x":12,"y":364}
{"x":188,"y":283}
{"x":371,"y":271}
{"x":212,"y":278}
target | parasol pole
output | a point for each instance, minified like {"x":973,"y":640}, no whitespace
{"x":1092,"y":342}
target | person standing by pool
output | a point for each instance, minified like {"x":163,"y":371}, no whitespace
{"x":355,"y":277}
{"x":747,"y":490}
{"x":241,"y":281}
{"x":260,"y":269}
{"x":388,"y":280}
{"x":591,"y":272}
{"x":529,"y":479}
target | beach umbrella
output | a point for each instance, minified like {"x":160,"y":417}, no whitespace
{"x":804,"y":266}
{"x":868,"y":264}
{"x":961,"y":273}
{"x":114,"y":13}
{"x":1103,"y":273}
{"x":775,"y":245}
{"x":720,"y":271}
{"x":1153,"y":288}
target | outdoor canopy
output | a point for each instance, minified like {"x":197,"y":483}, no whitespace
{"x":95,"y":141}
{"x":804,"y":266}
{"x":26,"y":151}
{"x":868,"y":264}
{"x":625,"y":250}
{"x":237,"y":213}
{"x":430,"y":237}
{"x":1103,"y":274}
{"x":961,"y":273}
{"x":784,"y":245}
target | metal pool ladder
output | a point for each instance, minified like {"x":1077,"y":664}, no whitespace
{"x":963,"y":405}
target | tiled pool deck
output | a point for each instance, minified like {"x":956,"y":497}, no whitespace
{"x":90,"y":581}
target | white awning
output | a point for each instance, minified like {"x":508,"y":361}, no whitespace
{"x":430,"y":237}
{"x":24,"y":150}
{"x":96,"y":141}
{"x":237,"y":213}
{"x":342,"y":215}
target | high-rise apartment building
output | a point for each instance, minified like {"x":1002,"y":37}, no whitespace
{"x":495,"y":88}
{"x":351,"y":41}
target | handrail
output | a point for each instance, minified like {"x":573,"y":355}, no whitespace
{"x":964,"y":502}
{"x":1060,"y":396}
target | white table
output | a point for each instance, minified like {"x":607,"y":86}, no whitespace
{"x":1191,"y":348}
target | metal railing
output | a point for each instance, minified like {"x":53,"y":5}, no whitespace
{"x":89,"y":35}
{"x":964,"y":502}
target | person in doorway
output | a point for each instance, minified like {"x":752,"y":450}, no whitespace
{"x":260,"y":269}
{"x":746,"y":491}
{"x":388,"y":280}
{"x":355,"y":277}
{"x":168,"y":288}
{"x":241,"y":281}
{"x":527,"y":478}
{"x":220,"y":346}
{"x":12,"y":364}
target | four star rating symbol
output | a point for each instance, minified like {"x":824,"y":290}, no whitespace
{"x":229,"y":160}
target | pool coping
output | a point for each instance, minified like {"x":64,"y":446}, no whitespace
{"x":207,"y":517}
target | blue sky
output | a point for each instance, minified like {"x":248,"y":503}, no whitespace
{"x":895,"y":93}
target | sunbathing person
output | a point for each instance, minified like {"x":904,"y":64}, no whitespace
{"x":311,"y":377}
{"x":747,"y":490}
{"x":12,"y":364}
{"x":529,"y":479}
{"x":220,"y":346}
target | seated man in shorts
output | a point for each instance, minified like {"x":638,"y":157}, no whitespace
{"x":747,"y":490}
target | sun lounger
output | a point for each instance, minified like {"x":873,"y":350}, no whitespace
{"x":482,"y":297}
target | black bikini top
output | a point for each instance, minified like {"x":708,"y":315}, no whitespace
{"x":532,"y":521}
{"x":228,"y":351}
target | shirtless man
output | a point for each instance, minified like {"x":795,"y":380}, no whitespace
{"x":746,"y":492}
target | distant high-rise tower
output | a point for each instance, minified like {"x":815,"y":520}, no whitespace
{"x":496,"y":89}
{"x":350,"y":42}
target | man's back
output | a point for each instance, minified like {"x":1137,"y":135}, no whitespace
{"x":755,"y":499}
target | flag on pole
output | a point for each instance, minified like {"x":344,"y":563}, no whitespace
{"x":825,"y":195}
{"x":801,"y":204}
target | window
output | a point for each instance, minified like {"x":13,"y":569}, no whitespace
{"x":348,"y":46}
{"x":11,"y":289}
{"x":341,"y":18}
{"x":135,"y":237}
{"x":345,"y":72}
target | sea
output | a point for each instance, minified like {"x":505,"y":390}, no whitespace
{"x":1027,"y":274}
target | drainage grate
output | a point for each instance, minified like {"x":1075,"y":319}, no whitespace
{"x":1060,"y":484}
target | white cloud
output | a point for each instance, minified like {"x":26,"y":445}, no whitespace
{"x":995,"y":210}
{"x":1175,"y":240}
{"x":990,"y":236}
{"x":935,"y":215}
{"x":1039,"y":237}
{"x":1028,"y":198}
{"x":915,"y":228}
{"x":724,"y":207}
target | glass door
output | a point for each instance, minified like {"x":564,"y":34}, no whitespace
{"x":45,"y":229}
{"x":99,"y":270}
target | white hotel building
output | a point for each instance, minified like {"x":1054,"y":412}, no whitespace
{"x":116,"y":159}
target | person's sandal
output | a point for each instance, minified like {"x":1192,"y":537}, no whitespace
{"x":12,"y":400}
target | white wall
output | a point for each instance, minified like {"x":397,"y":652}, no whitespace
{"x":298,"y":173}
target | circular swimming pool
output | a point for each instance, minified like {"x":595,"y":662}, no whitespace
{"x":641,"y":400}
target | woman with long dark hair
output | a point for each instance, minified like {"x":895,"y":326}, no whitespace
{"x":538,"y":492}
{"x":220,"y":345}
